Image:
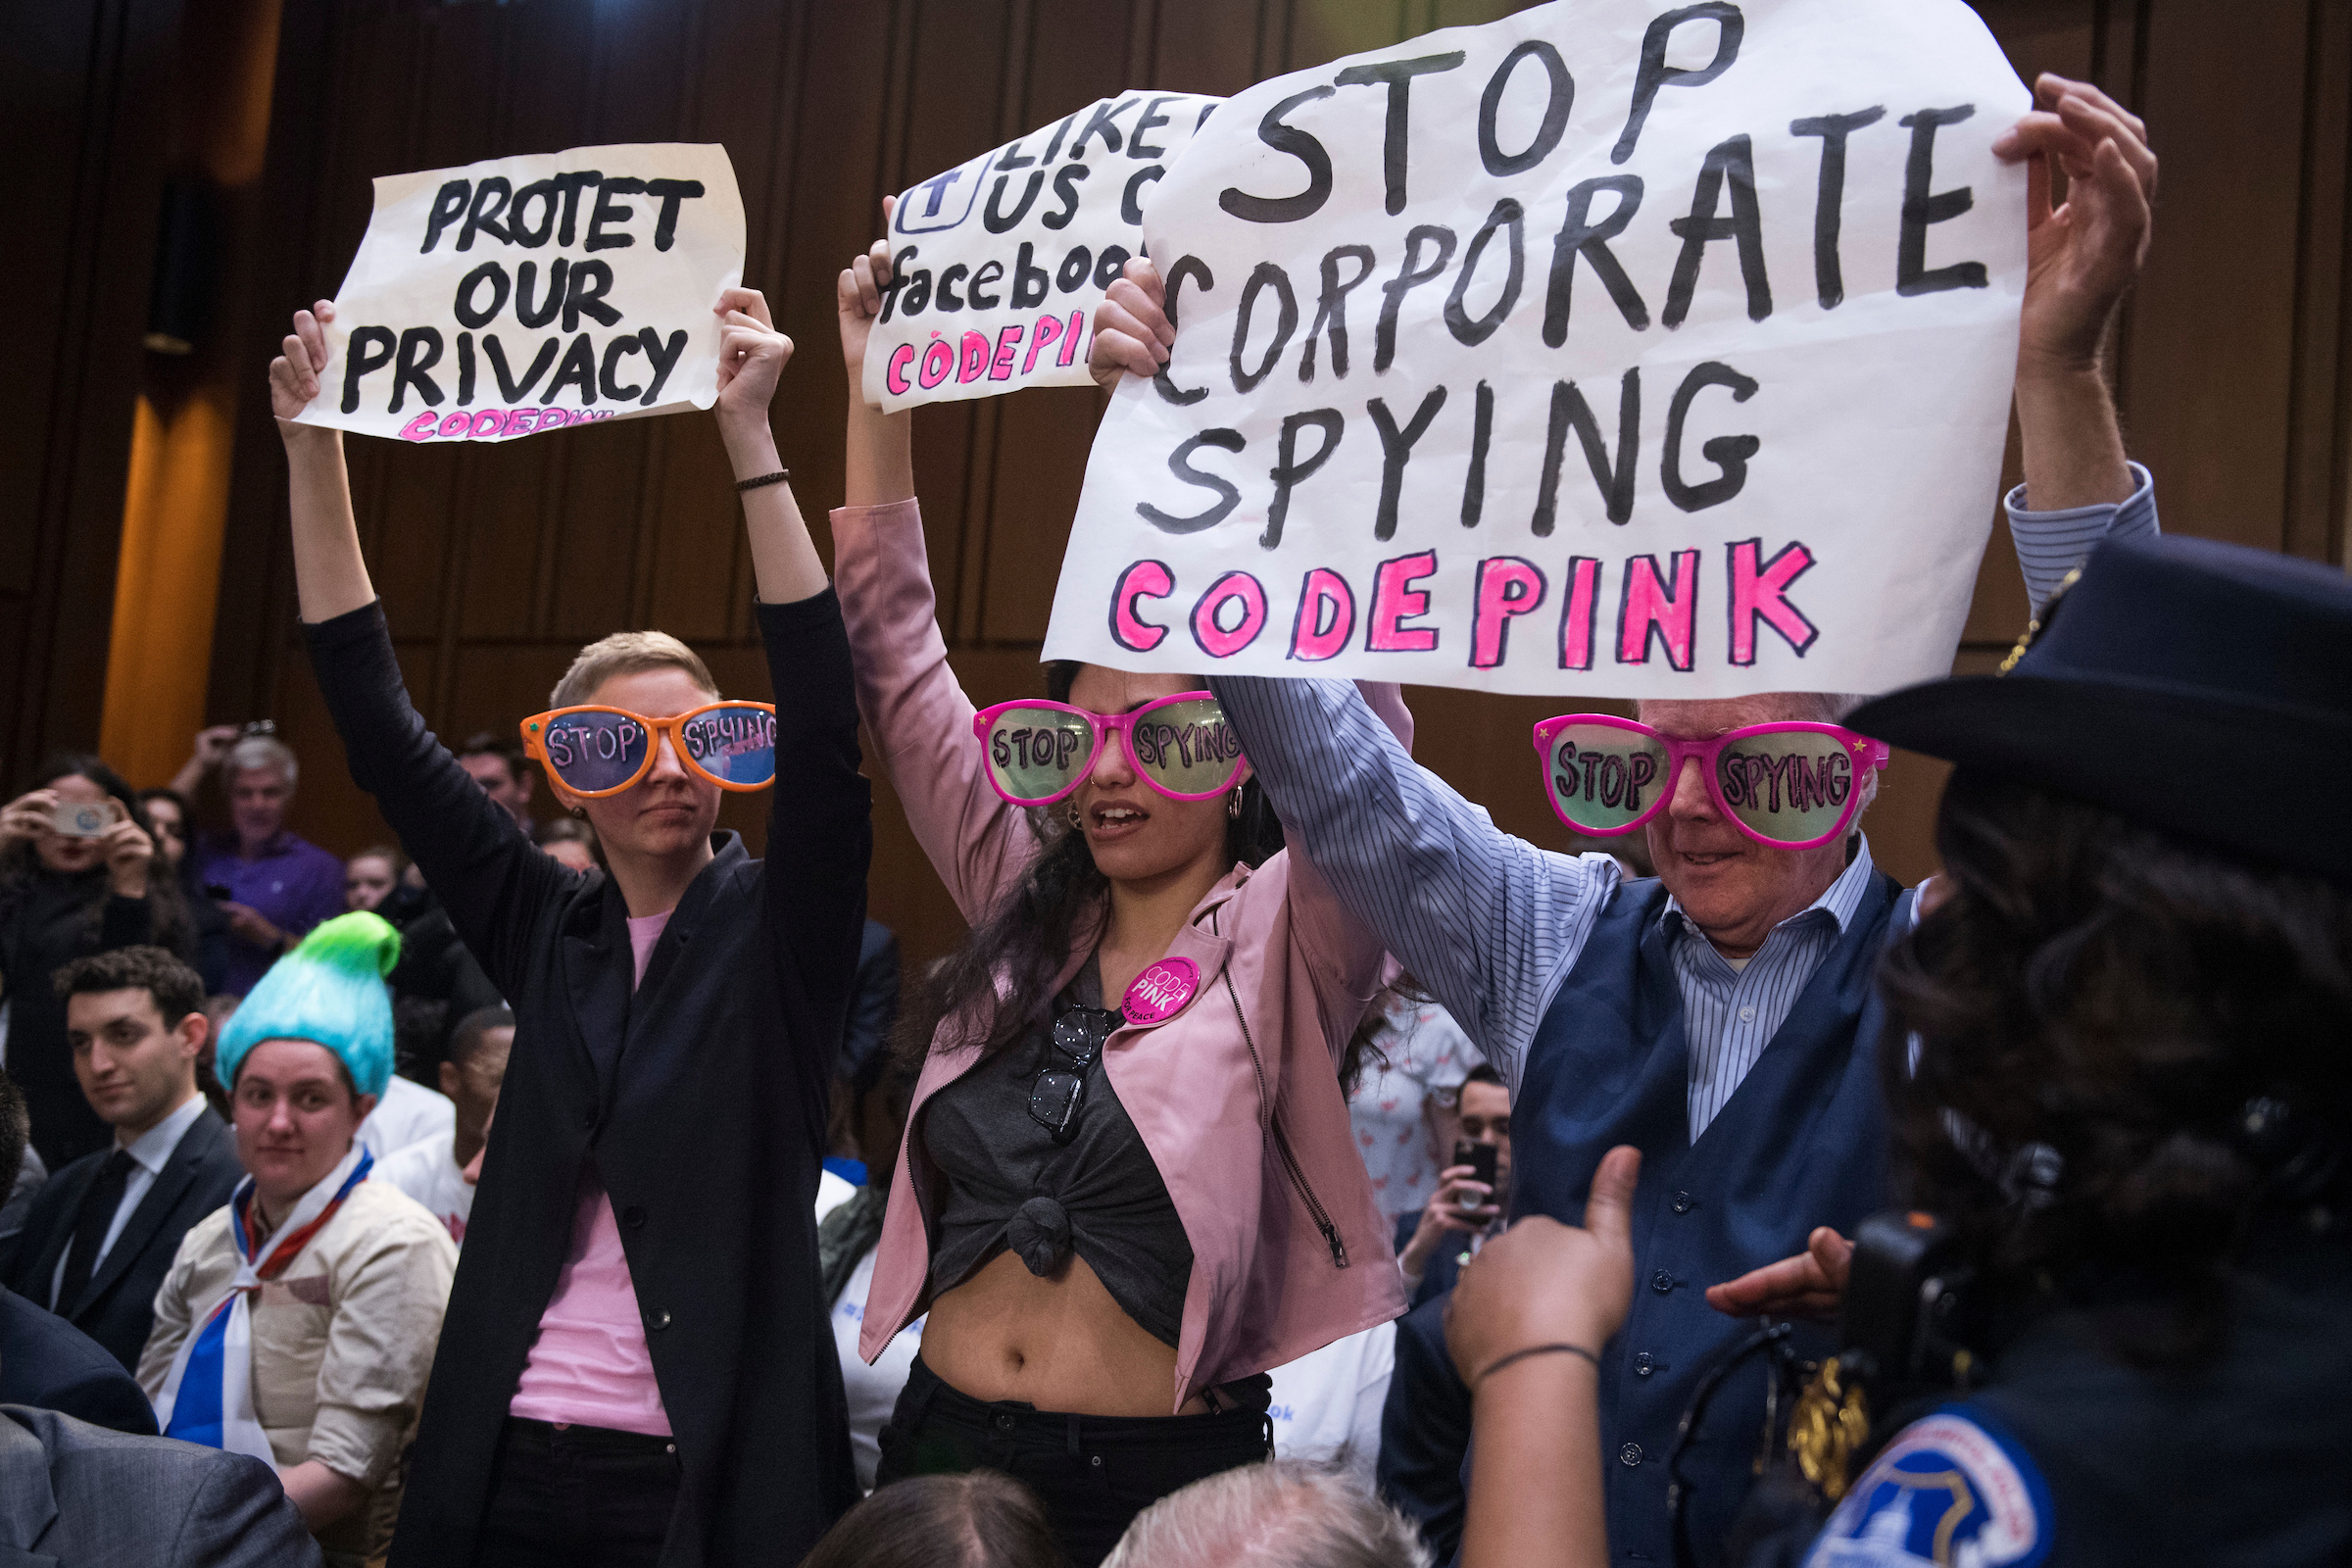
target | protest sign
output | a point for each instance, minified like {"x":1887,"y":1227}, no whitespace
{"x":1611,"y":349}
{"x":997,"y":265}
{"x":525,"y":294}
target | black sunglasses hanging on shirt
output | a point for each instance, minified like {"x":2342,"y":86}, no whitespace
{"x":1054,"y":1099}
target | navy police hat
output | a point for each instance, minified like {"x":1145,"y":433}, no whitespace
{"x":2197,"y":687}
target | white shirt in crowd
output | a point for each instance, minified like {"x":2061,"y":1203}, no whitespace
{"x":149,"y":1152}
{"x":1327,"y":1403}
{"x":873,"y":1391}
{"x":429,"y":1171}
{"x":1426,"y":1056}
{"x":406,"y":1113}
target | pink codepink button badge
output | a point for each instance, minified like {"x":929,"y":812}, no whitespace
{"x":1161,"y":992}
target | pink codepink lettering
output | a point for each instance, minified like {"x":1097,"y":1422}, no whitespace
{"x":1396,"y":601}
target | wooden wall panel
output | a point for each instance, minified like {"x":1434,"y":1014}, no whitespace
{"x":2215,"y":322}
{"x":497,"y":564}
{"x":88,"y":86}
{"x":1192,"y":52}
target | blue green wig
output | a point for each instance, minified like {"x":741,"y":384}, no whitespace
{"x":330,"y":990}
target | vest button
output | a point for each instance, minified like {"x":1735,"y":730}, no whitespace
{"x":658,"y":1318}
{"x":1683,"y":1202}
{"x":633,"y":1217}
{"x":1630,"y":1456}
{"x":1645,"y":1364}
{"x":1661,"y":1282}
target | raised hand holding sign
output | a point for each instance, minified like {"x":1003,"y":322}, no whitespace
{"x":1552,"y":354}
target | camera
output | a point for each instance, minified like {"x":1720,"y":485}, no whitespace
{"x":78,"y":820}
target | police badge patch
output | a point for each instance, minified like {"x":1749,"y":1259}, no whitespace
{"x":1950,"y":1491}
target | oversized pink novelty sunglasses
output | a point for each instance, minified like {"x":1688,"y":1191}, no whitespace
{"x":1038,"y":751}
{"x":1787,"y":786}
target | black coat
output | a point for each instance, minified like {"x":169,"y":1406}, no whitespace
{"x":873,"y":1009}
{"x":49,"y":1365}
{"x":117,"y":1308}
{"x":700,"y":1101}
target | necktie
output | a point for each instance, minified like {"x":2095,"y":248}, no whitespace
{"x":90,"y":1226}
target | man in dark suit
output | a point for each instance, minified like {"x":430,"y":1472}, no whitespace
{"x":46,"y":1363}
{"x":1433,"y":1244}
{"x":102,"y":1233}
{"x":72,"y":1493}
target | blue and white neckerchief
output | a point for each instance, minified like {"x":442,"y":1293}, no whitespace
{"x":208,"y":1395}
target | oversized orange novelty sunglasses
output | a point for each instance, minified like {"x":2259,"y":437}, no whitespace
{"x":595,"y":751}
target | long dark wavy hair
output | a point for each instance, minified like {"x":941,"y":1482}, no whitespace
{"x":172,"y":927}
{"x":1002,"y":979}
{"x":2131,"y":1047}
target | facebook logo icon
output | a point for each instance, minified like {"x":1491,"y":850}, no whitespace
{"x":943,"y":201}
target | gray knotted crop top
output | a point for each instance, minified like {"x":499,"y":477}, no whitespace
{"x":1012,"y":1186}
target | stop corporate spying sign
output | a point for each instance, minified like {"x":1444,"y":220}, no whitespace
{"x":998,"y":265}
{"x":527,"y":294}
{"x":1608,"y":348}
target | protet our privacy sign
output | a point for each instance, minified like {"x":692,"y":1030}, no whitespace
{"x":526,"y":294}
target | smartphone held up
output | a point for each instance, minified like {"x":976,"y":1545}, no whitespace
{"x":83,"y":820}
{"x":1482,"y":1160}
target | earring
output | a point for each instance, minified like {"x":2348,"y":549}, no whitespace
{"x":1233,"y":806}
{"x":580,"y":812}
{"x":1076,"y":823}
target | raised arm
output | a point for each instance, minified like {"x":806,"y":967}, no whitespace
{"x":1489,"y":922}
{"x":2083,"y":256}
{"x":820,"y":823}
{"x":1343,"y":951}
{"x":1527,"y":1325}
{"x":820,"y":837}
{"x":212,"y":744}
{"x":752,"y":354}
{"x":486,"y":873}
{"x":913,"y":706}
{"x":881,"y":452}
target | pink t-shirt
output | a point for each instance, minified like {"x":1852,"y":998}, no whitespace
{"x":590,"y":1365}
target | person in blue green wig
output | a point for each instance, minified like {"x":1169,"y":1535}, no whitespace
{"x":243,"y":1358}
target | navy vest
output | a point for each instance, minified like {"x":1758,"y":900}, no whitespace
{"x":1802,"y":1142}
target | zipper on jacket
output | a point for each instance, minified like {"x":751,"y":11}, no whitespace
{"x":1282,"y":1143}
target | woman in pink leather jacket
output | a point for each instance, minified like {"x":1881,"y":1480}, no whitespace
{"x":1128,"y":1187}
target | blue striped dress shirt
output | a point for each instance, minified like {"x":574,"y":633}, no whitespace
{"x":1492,"y":924}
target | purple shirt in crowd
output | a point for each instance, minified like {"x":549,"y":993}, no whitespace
{"x":294,"y":883}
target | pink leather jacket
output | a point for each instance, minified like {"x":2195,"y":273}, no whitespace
{"x":1273,"y":945}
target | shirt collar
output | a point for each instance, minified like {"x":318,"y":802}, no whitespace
{"x":153,"y":1145}
{"x":1842,"y":898}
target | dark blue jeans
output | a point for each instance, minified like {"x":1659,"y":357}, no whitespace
{"x":1094,"y":1473}
{"x":577,"y":1497}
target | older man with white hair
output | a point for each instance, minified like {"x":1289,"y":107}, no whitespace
{"x":273,"y":884}
{"x":1722,"y":1018}
{"x":1284,"y":1513}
